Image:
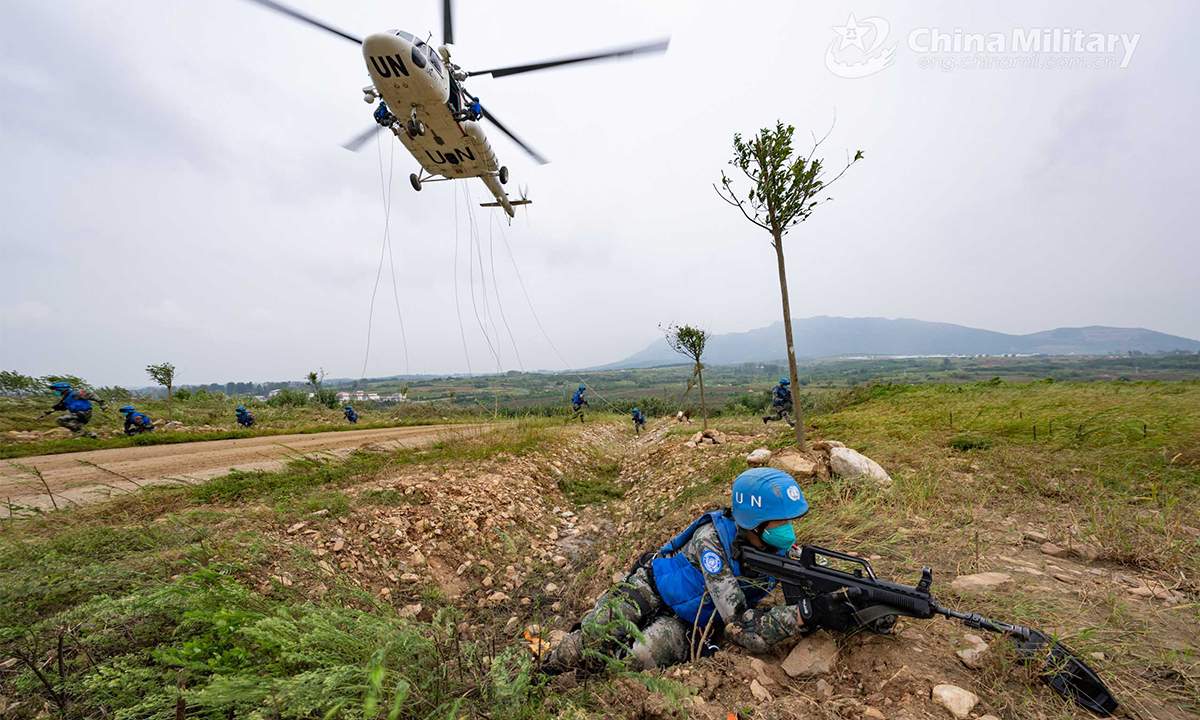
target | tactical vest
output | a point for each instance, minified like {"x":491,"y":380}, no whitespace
{"x":681,"y":584}
{"x":75,"y":402}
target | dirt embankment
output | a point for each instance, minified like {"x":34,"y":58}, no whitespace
{"x":87,"y":476}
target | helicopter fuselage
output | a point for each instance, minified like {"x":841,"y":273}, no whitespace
{"x":415,"y":83}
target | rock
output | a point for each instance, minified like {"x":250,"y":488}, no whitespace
{"x":1068,"y":579}
{"x":1096,"y":655}
{"x":795,"y":464}
{"x":497,"y":597}
{"x":824,"y":688}
{"x":410,"y":577}
{"x":760,"y":669}
{"x":697,"y":438}
{"x":1049,"y":548}
{"x":973,"y":657}
{"x":826,"y":445}
{"x":409,"y":611}
{"x":849,"y":463}
{"x":1087,"y":553}
{"x":958,"y":701}
{"x":981,"y":582}
{"x":339,"y":544}
{"x":295,"y":528}
{"x":551,"y":588}
{"x":418,"y":558}
{"x":987,"y":717}
{"x":759,"y":457}
{"x":716,"y":436}
{"x":875,"y":714}
{"x":759,"y":692}
{"x":812,"y":656}
{"x":1034,"y":536}
{"x":690,"y":444}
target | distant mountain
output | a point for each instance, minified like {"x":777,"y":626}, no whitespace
{"x":825,"y":336}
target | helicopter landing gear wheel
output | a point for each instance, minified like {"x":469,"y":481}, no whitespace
{"x":503,"y":174}
{"x":415,"y":127}
{"x":416,"y":182}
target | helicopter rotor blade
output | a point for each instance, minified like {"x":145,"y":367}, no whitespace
{"x":447,"y":23}
{"x":500,"y":126}
{"x":356,"y":143}
{"x":657,"y":46}
{"x":281,"y":8}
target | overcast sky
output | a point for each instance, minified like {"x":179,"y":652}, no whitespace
{"x":172,"y":186}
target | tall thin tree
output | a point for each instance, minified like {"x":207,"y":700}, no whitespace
{"x":164,"y":374}
{"x":689,"y":342}
{"x":784,"y":190}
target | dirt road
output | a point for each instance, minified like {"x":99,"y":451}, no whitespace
{"x":78,"y":477}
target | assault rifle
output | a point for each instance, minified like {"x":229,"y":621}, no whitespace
{"x":877,"y":603}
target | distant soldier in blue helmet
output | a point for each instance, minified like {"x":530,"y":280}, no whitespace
{"x":351,"y":415}
{"x":475,"y":111}
{"x":578,"y":401}
{"x":78,"y":407}
{"x":672,"y":595}
{"x":136,"y":423}
{"x":244,"y":418}
{"x":639,"y":421}
{"x":781,"y":403}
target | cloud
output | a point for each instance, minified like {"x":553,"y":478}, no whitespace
{"x":27,"y":313}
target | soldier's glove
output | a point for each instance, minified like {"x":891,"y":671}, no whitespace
{"x":833,"y":611}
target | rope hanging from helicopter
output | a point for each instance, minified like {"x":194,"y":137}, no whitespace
{"x":385,"y":185}
{"x":512,"y":258}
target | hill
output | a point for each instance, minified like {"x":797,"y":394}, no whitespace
{"x":825,"y":336}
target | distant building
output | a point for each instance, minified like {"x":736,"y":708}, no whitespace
{"x":273,"y":393}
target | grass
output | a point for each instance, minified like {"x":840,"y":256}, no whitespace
{"x":162,"y":597}
{"x":589,"y":491}
{"x":177,"y":583}
{"x":70,"y":445}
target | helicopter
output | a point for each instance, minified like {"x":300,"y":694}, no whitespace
{"x":424,"y":103}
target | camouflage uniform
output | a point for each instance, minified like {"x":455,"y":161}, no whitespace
{"x":74,"y":421}
{"x":782,"y":412}
{"x":667,"y":638}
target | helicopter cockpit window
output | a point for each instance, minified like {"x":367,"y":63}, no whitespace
{"x":437,"y":64}
{"x":401,"y":33}
{"x":419,"y":53}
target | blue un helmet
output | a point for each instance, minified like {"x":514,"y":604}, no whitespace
{"x":62,"y":388}
{"x":240,"y":408}
{"x":635,"y":409}
{"x":784,"y":381}
{"x":583,"y":387}
{"x":764,"y":494}
{"x":349,"y":407}
{"x":127,"y":409}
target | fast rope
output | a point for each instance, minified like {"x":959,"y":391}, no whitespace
{"x":496,"y":289}
{"x":386,"y":190}
{"x":379,"y":272}
{"x":457,"y":305}
{"x":546,"y":335}
{"x":474,"y":305}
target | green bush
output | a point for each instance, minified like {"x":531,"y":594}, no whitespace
{"x":289,"y":397}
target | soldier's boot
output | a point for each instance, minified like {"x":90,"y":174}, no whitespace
{"x":566,"y":657}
